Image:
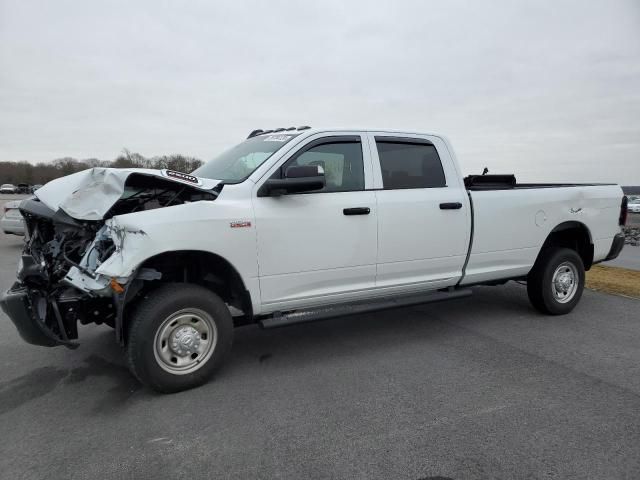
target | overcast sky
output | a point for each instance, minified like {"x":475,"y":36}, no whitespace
{"x":548,"y":90}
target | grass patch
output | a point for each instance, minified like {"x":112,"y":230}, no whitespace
{"x":614,"y":280}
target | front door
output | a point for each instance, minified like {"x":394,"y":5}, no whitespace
{"x":319,"y":247}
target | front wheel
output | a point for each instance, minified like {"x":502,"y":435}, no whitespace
{"x":178,"y":336}
{"x":556,"y":281}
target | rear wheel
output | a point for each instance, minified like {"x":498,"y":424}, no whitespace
{"x":178,"y":336}
{"x":556,"y":281}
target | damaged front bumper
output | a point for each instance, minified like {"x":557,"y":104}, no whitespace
{"x":28,"y":311}
{"x":56,"y":286}
{"x":46,"y":313}
{"x":79,"y":263}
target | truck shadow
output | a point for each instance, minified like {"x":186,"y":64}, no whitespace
{"x":44,"y":380}
{"x":255,"y":348}
{"x":26,"y":388}
{"x":370,"y":332}
{"x":347,"y":335}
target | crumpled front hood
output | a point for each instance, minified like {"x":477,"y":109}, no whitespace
{"x":90,"y":194}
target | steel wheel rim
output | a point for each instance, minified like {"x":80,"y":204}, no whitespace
{"x":564,"y":282}
{"x":185,"y":340}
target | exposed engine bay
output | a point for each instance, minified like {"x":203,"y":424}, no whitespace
{"x":57,"y":281}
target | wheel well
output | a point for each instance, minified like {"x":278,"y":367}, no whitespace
{"x":203,"y":268}
{"x":573,"y":235}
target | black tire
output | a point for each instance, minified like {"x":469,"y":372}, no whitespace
{"x":539,"y":281}
{"x":150,"y":318}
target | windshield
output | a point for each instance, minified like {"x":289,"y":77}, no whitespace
{"x":237,"y":163}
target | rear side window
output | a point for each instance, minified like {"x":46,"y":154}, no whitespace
{"x":409,"y":164}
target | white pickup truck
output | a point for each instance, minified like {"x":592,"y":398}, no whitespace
{"x":291,"y":225}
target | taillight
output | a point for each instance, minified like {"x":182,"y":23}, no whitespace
{"x":623,"y":211}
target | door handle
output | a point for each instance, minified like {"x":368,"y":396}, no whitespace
{"x":450,"y":206}
{"x":357,"y":211}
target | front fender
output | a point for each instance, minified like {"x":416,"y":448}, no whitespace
{"x":204,"y":226}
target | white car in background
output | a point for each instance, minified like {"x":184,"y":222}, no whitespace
{"x":8,"y":188}
{"x":634,"y":204}
{"x":12,"y":221}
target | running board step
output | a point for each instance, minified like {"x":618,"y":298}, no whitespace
{"x":323,"y":313}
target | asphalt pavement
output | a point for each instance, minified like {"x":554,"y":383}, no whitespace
{"x":629,"y":258}
{"x":630,"y":255}
{"x":482,"y":387}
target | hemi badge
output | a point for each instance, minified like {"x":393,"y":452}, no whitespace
{"x":240,"y":224}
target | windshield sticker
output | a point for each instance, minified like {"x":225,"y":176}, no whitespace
{"x":277,"y":138}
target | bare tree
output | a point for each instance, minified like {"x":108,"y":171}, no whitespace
{"x":43,"y":172}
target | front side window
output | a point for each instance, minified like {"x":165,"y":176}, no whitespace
{"x":341,"y":162}
{"x":409,"y":164}
{"x":237,"y":163}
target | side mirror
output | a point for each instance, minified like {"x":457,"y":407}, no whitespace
{"x":297,"y":179}
{"x":303,"y":171}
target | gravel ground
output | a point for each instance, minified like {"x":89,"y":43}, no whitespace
{"x":482,"y":387}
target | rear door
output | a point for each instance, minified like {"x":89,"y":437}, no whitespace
{"x":423,"y":217}
{"x":319,"y":247}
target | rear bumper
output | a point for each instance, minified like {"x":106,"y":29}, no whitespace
{"x":18,"y":306}
{"x":616,"y":247}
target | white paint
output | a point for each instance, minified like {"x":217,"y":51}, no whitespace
{"x":307,"y":247}
{"x":89,"y":194}
{"x":507,"y":239}
{"x":417,"y":241}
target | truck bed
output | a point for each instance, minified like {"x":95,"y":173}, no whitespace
{"x":509,"y":224}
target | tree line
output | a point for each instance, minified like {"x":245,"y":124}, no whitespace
{"x":43,"y":172}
